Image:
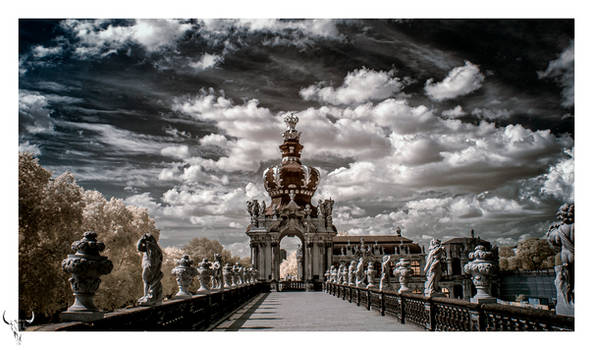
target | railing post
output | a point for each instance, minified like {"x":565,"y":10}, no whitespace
{"x":477,"y":319}
{"x":402,"y":305}
{"x":368,"y":291}
{"x":344,"y":294}
{"x":357,"y":297}
{"x":429,"y":307}
{"x":382,"y":304}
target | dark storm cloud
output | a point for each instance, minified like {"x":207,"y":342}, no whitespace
{"x":182,"y":116}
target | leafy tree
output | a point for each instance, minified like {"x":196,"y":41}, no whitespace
{"x":535,"y":254}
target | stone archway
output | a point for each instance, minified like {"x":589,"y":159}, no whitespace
{"x":291,"y":186}
{"x":300,"y":275}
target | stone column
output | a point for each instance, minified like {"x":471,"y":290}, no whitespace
{"x":482,"y":268}
{"x":184,"y":273}
{"x":86,"y":265}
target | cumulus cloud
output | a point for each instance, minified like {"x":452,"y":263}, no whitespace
{"x":459,"y":82}
{"x":454,"y":112}
{"x":359,"y":86}
{"x":559,"y":180}
{"x":99,"y":37}
{"x":491,"y":114}
{"x":40,"y":51}
{"x":562,"y":70}
{"x":34,"y":112}
{"x":180,"y":152}
{"x":205,"y":62}
{"x":30,"y":148}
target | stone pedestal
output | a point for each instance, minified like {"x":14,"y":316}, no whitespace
{"x":86,"y":265}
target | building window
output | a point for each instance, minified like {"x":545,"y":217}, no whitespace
{"x":415,"y":265}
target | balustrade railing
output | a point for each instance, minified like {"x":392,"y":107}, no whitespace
{"x":196,"y":313}
{"x":445,"y":314}
{"x":292,"y":285}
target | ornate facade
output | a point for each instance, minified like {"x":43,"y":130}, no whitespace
{"x":291,"y":185}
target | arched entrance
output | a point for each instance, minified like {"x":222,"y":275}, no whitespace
{"x":292,"y":265}
{"x":291,"y":213}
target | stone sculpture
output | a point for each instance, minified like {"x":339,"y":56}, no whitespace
{"x":184,"y":274}
{"x":371,"y":274}
{"x":216,"y":278}
{"x":385,"y":283}
{"x":342,"y":273}
{"x":204,"y":273}
{"x":333,"y":274}
{"x":152,"y":259}
{"x":433,"y":269}
{"x":236,"y":278}
{"x":352,"y":273}
{"x":360,"y":275}
{"x":561,"y":237}
{"x":85,"y":265}
{"x":243,"y":275}
{"x":481,"y":266}
{"x":227,"y":276}
{"x":403,"y":272}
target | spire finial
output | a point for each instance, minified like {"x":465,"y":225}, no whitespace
{"x":291,"y":121}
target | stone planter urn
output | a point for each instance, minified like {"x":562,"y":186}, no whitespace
{"x":184,"y":273}
{"x":227,"y":276}
{"x":482,"y":267}
{"x":403,"y":272}
{"x":204,"y":272}
{"x":86,"y":265}
{"x":371,"y":275}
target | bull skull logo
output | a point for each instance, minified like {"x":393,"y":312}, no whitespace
{"x":17,"y":325}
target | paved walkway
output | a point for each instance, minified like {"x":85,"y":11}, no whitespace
{"x":307,"y":311}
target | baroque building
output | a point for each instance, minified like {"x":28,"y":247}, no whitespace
{"x":291,"y":185}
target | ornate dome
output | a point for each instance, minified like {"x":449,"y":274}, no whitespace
{"x":291,"y":178}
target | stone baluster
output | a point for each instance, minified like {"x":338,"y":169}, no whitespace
{"x":204,"y":272}
{"x":86,"y":265}
{"x":371,"y":274}
{"x":403,"y":271}
{"x":184,"y":273}
{"x":482,"y":267}
{"x":227,"y":275}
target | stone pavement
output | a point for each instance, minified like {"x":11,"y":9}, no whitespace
{"x":307,"y":311}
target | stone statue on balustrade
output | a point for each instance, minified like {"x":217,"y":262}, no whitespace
{"x":236,"y":275}
{"x":86,"y":266}
{"x":227,"y":276}
{"x":341,"y":274}
{"x":360,"y":275}
{"x":152,"y":259}
{"x":352,"y":273}
{"x":326,"y":276}
{"x":435,"y":260}
{"x":561,"y":237}
{"x":403,"y":271}
{"x":184,"y":274}
{"x":216,"y":278}
{"x":204,"y":274}
{"x":385,"y":283}
{"x":371,"y":275}
{"x":482,"y":267}
{"x":333,"y":273}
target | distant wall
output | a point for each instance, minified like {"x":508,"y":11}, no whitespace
{"x":535,"y":284}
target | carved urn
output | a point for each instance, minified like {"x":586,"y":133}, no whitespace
{"x":204,"y":272}
{"x":184,"y":273}
{"x":403,"y":272}
{"x":227,"y":276}
{"x":482,"y":267}
{"x":86,"y":265}
{"x":371,"y":275}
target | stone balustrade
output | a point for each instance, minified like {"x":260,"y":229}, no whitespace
{"x":198,"y":312}
{"x":445,"y":314}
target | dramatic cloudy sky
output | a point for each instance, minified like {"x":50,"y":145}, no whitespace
{"x":433,"y":126}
